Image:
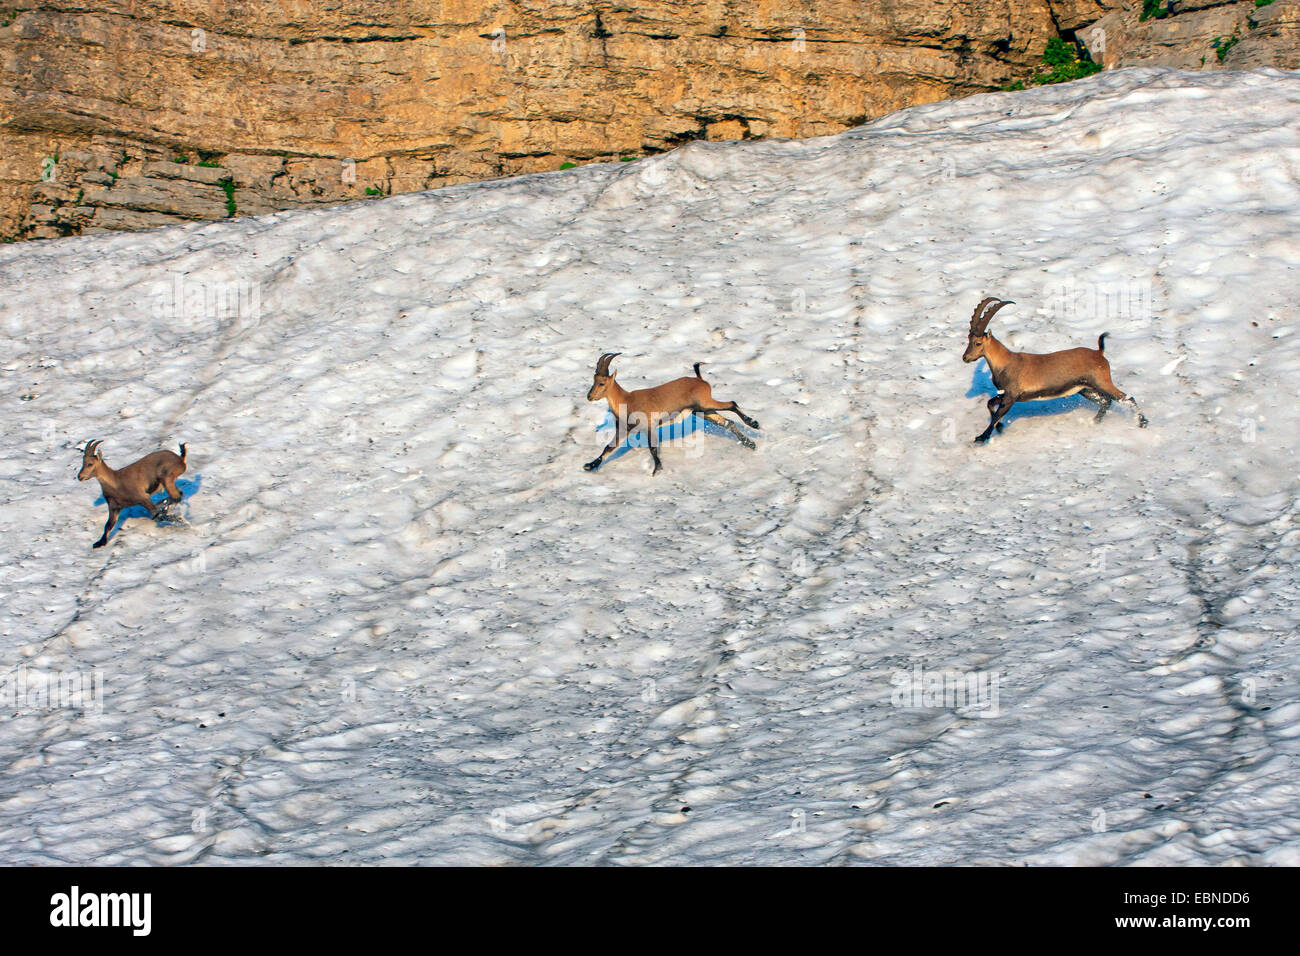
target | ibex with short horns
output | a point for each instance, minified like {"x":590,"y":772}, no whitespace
{"x":644,"y":410}
{"x":1027,"y":377}
{"x":134,"y":484}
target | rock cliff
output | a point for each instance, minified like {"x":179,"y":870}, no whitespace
{"x":137,"y":113}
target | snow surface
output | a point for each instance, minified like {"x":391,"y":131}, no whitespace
{"x":403,"y":625}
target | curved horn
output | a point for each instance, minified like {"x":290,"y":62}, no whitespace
{"x":984,"y":321}
{"x":975,"y":316}
{"x":979,"y":321}
{"x":89,"y":451}
{"x":602,"y":366}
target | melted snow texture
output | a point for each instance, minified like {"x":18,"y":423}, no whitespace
{"x":403,"y":625}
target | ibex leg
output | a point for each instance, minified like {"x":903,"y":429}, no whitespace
{"x":1103,"y":401}
{"x":729,"y":426}
{"x":1001,"y":413}
{"x":108,"y":526}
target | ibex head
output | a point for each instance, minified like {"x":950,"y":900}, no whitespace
{"x":979,"y":323}
{"x":90,"y":460}
{"x":600,"y":384}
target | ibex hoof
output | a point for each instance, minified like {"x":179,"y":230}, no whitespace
{"x":99,"y":544}
{"x":1142,"y":422}
{"x":591,"y":466}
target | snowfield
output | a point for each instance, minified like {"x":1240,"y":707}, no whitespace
{"x":402,"y":624}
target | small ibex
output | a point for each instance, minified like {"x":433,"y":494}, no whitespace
{"x":1026,"y":377}
{"x":645,"y":409}
{"x":133,"y":484}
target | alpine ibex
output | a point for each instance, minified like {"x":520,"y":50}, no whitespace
{"x":1027,"y":377}
{"x":134,"y":484}
{"x":645,"y":409}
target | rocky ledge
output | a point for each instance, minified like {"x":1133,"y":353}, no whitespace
{"x":140,"y":113}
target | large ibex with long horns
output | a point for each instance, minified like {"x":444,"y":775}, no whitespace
{"x":645,"y":409}
{"x":134,"y":484}
{"x":1027,"y":377}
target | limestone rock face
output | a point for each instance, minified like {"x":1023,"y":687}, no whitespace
{"x":137,"y":113}
{"x":1198,"y":35}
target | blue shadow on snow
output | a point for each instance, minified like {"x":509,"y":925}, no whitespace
{"x":687,"y":425}
{"x":981,"y":386}
{"x":186,"y":486}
